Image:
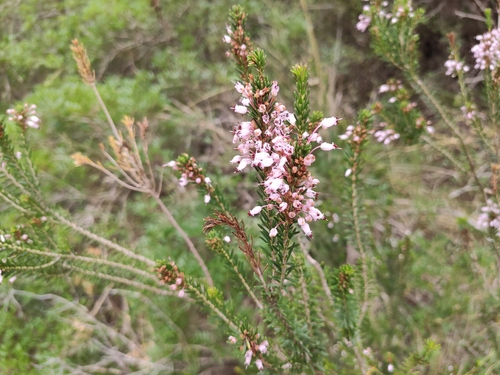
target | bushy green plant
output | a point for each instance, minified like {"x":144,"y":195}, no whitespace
{"x":388,"y":309}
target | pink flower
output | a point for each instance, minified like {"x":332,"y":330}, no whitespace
{"x":248,"y":357}
{"x":330,"y":121}
{"x":171,"y":164}
{"x":241,"y":109}
{"x":239,"y":87}
{"x":273,"y":232}
{"x":255,"y":211}
{"x":243,"y":163}
{"x":232,"y":340}
{"x":275,"y":88}
{"x":283,"y":206}
{"x":206,"y":199}
{"x":364,"y":22}
{"x":309,"y":159}
{"x":235,"y":159}
{"x":226,"y":39}
{"x":307,"y":230}
{"x":328,"y":146}
{"x":383,"y":88}
{"x":263,"y":346}
{"x":263,"y":160}
{"x":259,"y":364}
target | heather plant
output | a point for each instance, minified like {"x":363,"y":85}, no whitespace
{"x":283,"y":311}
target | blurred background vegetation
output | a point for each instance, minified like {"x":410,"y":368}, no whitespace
{"x":165,"y":60}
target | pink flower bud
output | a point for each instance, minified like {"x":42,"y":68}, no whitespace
{"x":232,"y":340}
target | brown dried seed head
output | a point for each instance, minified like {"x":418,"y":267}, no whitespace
{"x":80,"y":159}
{"x":82,"y":61}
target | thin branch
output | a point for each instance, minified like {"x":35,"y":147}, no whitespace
{"x":452,"y":127}
{"x":359,"y":241}
{"x":84,"y":259}
{"x":62,"y":220}
{"x":321,"y":273}
{"x":314,"y":50}
{"x":242,"y":279}
{"x":212,"y":307}
{"x":12,"y":203}
{"x":106,"y":112}
{"x":31,"y":268}
{"x":115,"y":178}
{"x":444,"y":152}
{"x":186,"y":238}
{"x":121,"y":280}
{"x":119,"y":168}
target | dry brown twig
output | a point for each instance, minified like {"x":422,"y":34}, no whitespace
{"x":127,"y":158}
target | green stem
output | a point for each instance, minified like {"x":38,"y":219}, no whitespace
{"x":117,"y":279}
{"x":186,"y":238}
{"x":423,"y":88}
{"x":358,"y":239}
{"x":84,"y":259}
{"x":62,"y":220}
{"x":242,"y":279}
{"x":212,"y":307}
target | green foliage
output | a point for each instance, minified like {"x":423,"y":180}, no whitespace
{"x":395,"y":38}
{"x":404,"y":268}
{"x":341,"y":282}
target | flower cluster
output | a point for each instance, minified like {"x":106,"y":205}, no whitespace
{"x":269,"y":143}
{"x":169,"y":273}
{"x":26,"y":118}
{"x":453,"y":67}
{"x":401,"y":116}
{"x":364,"y":22}
{"x":386,"y":136}
{"x":391,"y":86}
{"x":240,"y":43}
{"x":489,"y":217}
{"x":190,"y":171}
{"x":469,"y":111}
{"x":487,"y":51}
{"x":18,"y":236}
{"x":354,"y":134}
{"x":378,"y":10}
{"x":253,"y":349}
